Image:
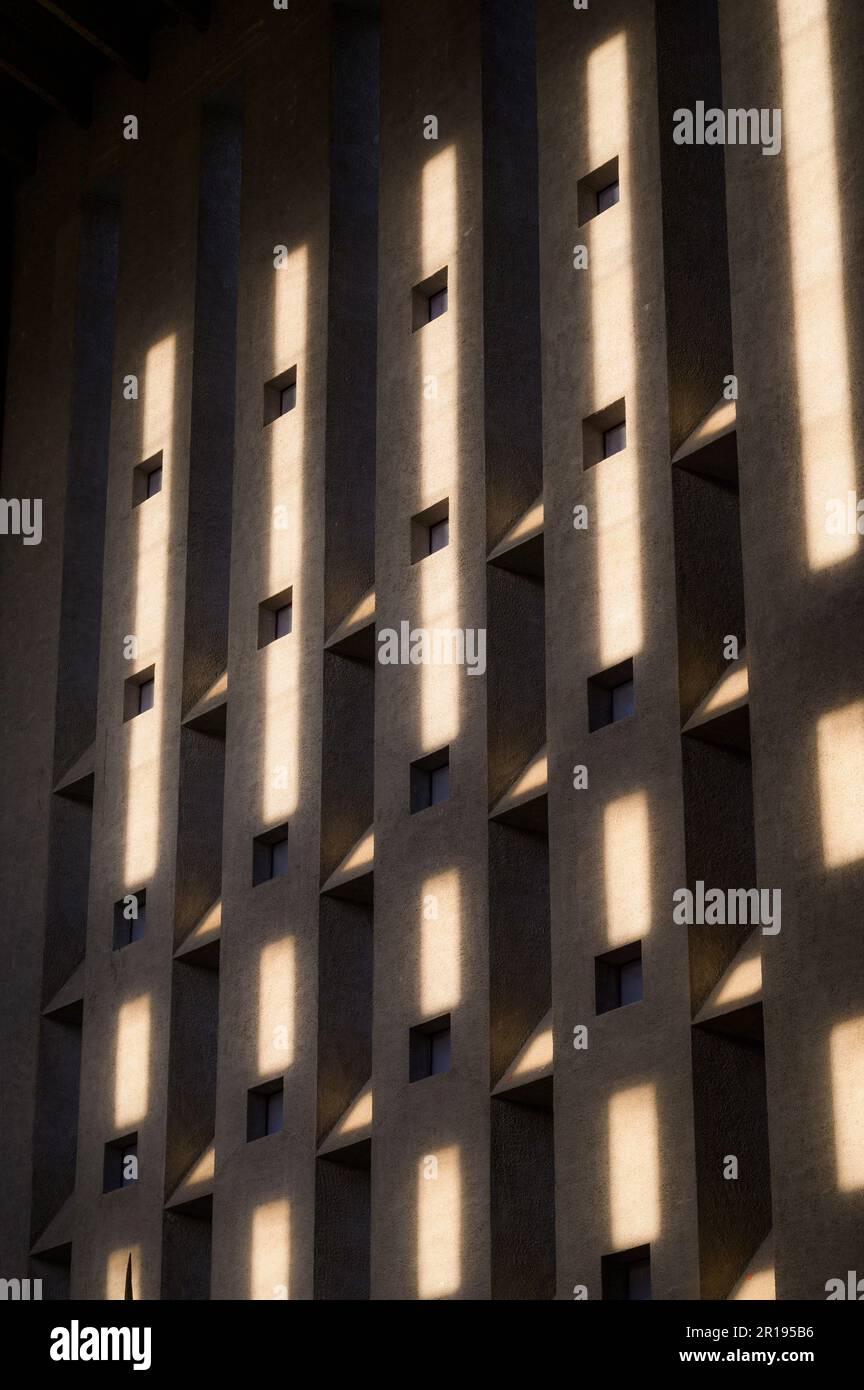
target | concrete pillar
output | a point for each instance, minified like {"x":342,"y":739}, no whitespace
{"x":430,"y":1139}
{"x":128,"y":991}
{"x":796,"y":317}
{"x":264,"y":1191}
{"x":623,"y":1103}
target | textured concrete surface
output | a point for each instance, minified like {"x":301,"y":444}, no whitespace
{"x":272,"y":222}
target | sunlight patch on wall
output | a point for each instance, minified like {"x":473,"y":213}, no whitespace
{"x":270,"y":1258}
{"x":627,"y":868}
{"x":741,"y":982}
{"x":149,"y":618}
{"x":840,"y":756}
{"x":439,"y":453}
{"x":634,"y":1172}
{"x":359,"y":1113}
{"x":613,"y":333}
{"x":847,"y":1093}
{"x":132,"y":1062}
{"x":276,"y":1007}
{"x":117,"y":1269}
{"x":816,"y":264}
{"x":619,"y":559}
{"x":439,"y":1224}
{"x":440,"y":944}
{"x":537,"y":1055}
{"x":280,"y":661}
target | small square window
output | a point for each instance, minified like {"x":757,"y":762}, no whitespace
{"x":430,"y":530}
{"x":440,"y":784}
{"x":614,"y":440}
{"x":280,"y":395}
{"x":430,"y":781}
{"x":429,"y":1049}
{"x":147,"y":480}
{"x":623,"y":701}
{"x":630,"y":981}
{"x":279,"y":858}
{"x":598,"y":191}
{"x":130,"y":919}
{"x":120,"y":1165}
{"x":639,"y":1281}
{"x":604,"y":433}
{"x":607,"y":197}
{"x":264,"y":1110}
{"x":437,"y":304}
{"x":439,"y":535}
{"x":270,"y":855}
{"x":429,"y":299}
{"x":626,"y":1276}
{"x":139,"y":693}
{"x":275,"y":617}
{"x":618,"y":978}
{"x":146,"y":695}
{"x":611,"y":696}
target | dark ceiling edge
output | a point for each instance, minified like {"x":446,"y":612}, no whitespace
{"x":38,"y":52}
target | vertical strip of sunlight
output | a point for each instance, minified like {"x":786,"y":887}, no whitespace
{"x":847,"y":1094}
{"x":270,"y":1256}
{"x":627,"y":868}
{"x":438,"y":462}
{"x":115,"y":1273}
{"x":151,"y":521}
{"x":132,"y":1062}
{"x":439,"y":1224}
{"x":634,"y":1170}
{"x":279,"y":662}
{"x":613,"y":333}
{"x":440,"y":943}
{"x":276,"y":1000}
{"x":840,"y":759}
{"x":817,"y":262}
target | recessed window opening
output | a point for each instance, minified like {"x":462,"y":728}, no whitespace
{"x":429,"y":1049}
{"x":430,"y":781}
{"x":611,"y":695}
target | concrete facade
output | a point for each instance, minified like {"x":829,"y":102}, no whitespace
{"x":671,"y":692}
